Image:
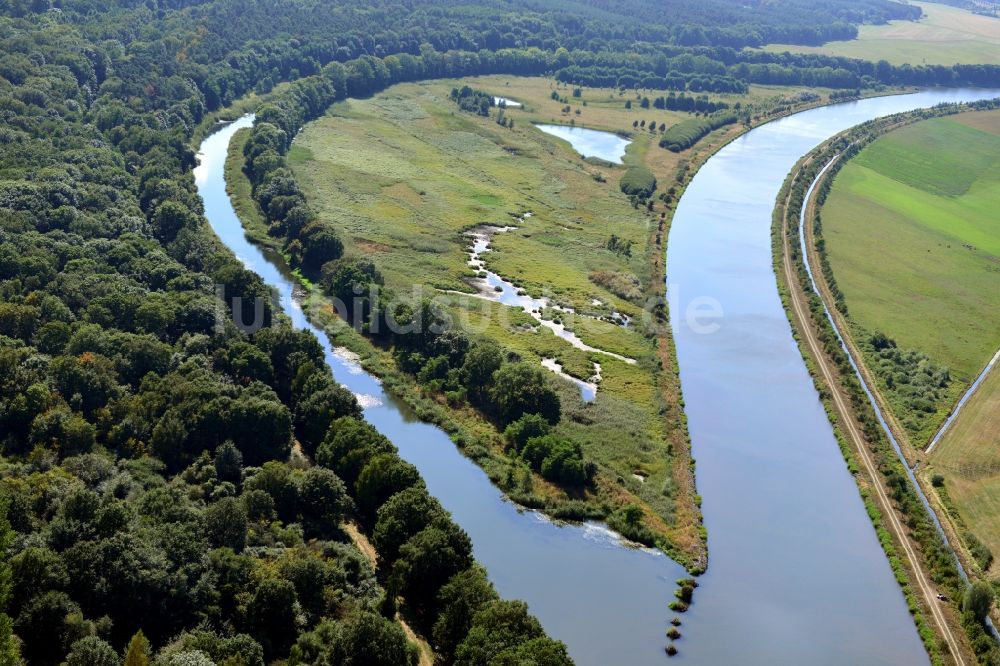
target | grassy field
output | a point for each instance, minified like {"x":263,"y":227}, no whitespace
{"x":945,"y":36}
{"x":968,"y":457}
{"x":911,"y":236}
{"x":404,"y":174}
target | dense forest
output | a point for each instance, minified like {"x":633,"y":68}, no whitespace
{"x":176,"y":490}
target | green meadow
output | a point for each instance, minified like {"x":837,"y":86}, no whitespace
{"x":404,"y":174}
{"x":911,"y":234}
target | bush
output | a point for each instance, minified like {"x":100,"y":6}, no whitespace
{"x":525,"y":428}
{"x":980,"y":551}
{"x":978,"y":599}
{"x":519,"y":389}
{"x":558,"y":460}
{"x":91,"y":651}
{"x":473,"y":101}
{"x":638,"y":181}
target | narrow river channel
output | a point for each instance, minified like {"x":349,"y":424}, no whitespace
{"x":606,"y":601}
{"x":796,"y":574}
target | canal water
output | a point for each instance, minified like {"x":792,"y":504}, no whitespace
{"x":796,"y":573}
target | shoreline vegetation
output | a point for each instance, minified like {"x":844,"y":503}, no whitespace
{"x":467,"y":426}
{"x":463,"y":425}
{"x":935,"y":554}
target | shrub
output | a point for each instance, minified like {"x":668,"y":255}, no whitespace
{"x":686,"y":133}
{"x":638,"y":181}
{"x":980,"y":551}
{"x":978,"y":599}
{"x":525,"y":428}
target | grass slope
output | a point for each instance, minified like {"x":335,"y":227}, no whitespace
{"x":911,"y":235}
{"x":968,"y":457}
{"x":945,"y":36}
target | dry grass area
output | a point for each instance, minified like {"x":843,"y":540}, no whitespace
{"x":945,"y":36}
{"x":968,"y":457}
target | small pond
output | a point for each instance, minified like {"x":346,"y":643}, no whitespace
{"x":590,"y":143}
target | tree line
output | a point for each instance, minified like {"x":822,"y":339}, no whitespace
{"x":686,"y":133}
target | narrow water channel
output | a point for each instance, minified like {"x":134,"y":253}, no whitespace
{"x":608,"y":602}
{"x":495,"y":288}
{"x":796,"y":574}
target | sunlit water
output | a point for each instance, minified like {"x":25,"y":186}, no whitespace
{"x":509,"y":103}
{"x":494,"y":287}
{"x":796,"y":574}
{"x":590,"y":143}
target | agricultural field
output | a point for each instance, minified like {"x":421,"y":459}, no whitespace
{"x":911,"y":236}
{"x":968,"y":460}
{"x":945,"y":36}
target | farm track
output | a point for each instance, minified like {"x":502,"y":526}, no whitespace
{"x":362,"y":543}
{"x":893,"y":520}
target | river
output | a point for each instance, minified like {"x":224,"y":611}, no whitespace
{"x":606,"y":601}
{"x":796,"y":574}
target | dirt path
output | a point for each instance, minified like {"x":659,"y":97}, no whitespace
{"x":902,"y":438}
{"x":851,"y":428}
{"x":368,"y":550}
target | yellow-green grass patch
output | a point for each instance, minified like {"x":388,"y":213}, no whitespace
{"x":968,"y":457}
{"x":944,"y":36}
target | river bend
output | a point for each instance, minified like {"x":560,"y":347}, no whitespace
{"x":796,"y":573}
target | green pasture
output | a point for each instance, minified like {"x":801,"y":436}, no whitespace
{"x":913,"y":239}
